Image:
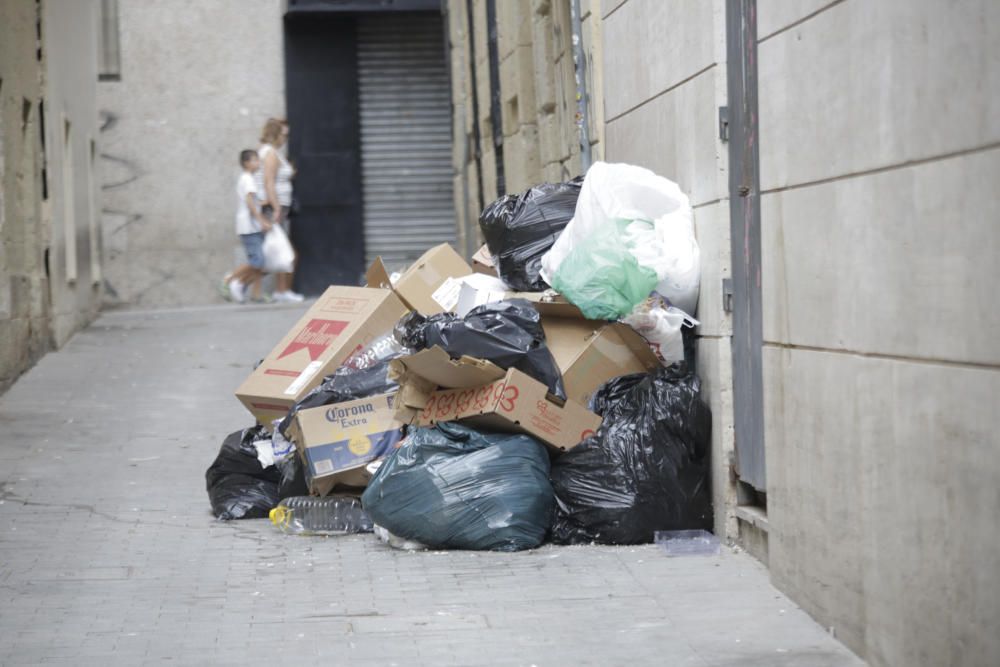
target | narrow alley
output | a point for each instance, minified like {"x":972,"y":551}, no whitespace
{"x":109,"y":553}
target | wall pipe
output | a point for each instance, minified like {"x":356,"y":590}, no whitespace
{"x":580,"y":73}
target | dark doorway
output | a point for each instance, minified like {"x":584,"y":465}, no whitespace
{"x":322,"y":99}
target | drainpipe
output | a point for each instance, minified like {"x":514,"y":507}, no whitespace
{"x":580,"y":73}
{"x":496,"y":117}
{"x":469,"y":12}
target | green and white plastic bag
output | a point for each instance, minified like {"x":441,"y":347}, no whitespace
{"x":632,"y":231}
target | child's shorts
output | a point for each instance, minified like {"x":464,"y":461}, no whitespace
{"x":253,"y":244}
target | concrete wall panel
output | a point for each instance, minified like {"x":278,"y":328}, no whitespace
{"x":870,"y":263}
{"x":866,"y":85}
{"x":712,"y":229}
{"x":679,"y":33}
{"x":608,"y":6}
{"x":882,"y":479}
{"x":675,"y":135}
{"x":774,"y":16}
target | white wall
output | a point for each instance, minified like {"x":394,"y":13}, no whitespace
{"x":880,"y":158}
{"x":198,"y":80}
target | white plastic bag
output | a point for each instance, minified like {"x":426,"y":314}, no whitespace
{"x":660,"y":324}
{"x":659,"y":229}
{"x":279,"y":257}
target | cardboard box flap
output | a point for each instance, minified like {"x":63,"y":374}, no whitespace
{"x":591,"y":352}
{"x":516,"y":403}
{"x":638,"y":345}
{"x":548,"y":303}
{"x":430,"y":285}
{"x":414,"y":390}
{"x":436,"y":366}
{"x":378,"y":275}
{"x":483,"y":262}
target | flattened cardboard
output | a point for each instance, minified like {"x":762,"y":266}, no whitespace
{"x":482,"y":262}
{"x":336,"y":442}
{"x":422,"y":373}
{"x":342,"y":320}
{"x":429,"y":285}
{"x":515,"y":403}
{"x":589,"y":353}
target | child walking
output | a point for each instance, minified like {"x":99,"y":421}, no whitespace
{"x":251,"y":226}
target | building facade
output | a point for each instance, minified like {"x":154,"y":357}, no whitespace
{"x":862,"y":467}
{"x":189,"y":85}
{"x":50,"y":255}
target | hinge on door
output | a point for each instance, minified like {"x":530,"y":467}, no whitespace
{"x":724,"y":123}
{"x":727,"y":294}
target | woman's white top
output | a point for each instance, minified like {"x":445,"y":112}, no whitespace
{"x":282,"y":180}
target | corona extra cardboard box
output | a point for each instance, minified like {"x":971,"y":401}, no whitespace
{"x":337,"y":442}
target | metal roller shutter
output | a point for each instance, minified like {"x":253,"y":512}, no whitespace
{"x":405,"y":105}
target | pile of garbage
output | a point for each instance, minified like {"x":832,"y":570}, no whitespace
{"x":543,"y":392}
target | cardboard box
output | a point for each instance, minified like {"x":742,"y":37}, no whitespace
{"x":477,"y":289}
{"x":337,"y":442}
{"x":341,"y":321}
{"x":515,"y":403}
{"x":589,"y":353}
{"x":430,"y":285}
{"x":482,"y":262}
{"x":421,"y":374}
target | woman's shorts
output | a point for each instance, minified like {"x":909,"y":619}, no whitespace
{"x":253,"y":244}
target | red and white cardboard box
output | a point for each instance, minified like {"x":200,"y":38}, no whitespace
{"x":343,"y":320}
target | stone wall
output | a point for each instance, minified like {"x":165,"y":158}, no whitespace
{"x":541,"y":139}
{"x":49,"y":239}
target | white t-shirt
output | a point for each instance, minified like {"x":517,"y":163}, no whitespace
{"x":245,"y":222}
{"x":282,"y":179}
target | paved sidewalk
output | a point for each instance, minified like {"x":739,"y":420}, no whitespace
{"x":109,"y":554}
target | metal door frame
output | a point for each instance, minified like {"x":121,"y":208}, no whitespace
{"x":744,"y":220}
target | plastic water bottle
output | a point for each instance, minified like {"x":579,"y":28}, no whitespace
{"x":333,"y":515}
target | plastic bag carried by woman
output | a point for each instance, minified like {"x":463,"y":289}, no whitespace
{"x":279,"y":257}
{"x":632,"y":233}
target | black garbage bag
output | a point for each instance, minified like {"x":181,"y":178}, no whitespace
{"x":293,"y":477}
{"x":451,"y":486}
{"x":508,"y":333}
{"x":519,"y":229}
{"x":646,"y":469}
{"x":238,"y":487}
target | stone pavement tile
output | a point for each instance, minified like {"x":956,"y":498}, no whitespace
{"x":109,"y":554}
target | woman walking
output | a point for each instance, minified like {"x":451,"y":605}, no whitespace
{"x":274,"y":190}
